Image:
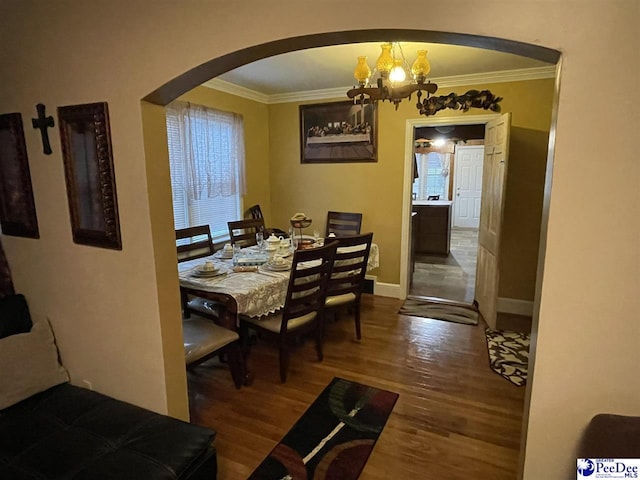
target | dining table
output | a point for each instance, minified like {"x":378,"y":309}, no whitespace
{"x":244,"y":285}
{"x":250,"y":290}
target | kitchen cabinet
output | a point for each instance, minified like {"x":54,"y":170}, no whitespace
{"x":433,"y":227}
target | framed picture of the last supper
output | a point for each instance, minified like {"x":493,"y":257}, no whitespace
{"x":338,"y":132}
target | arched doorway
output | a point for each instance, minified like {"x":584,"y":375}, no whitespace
{"x":200,"y":74}
{"x":215,"y":67}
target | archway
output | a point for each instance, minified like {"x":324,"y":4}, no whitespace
{"x":200,"y":74}
{"x":217,"y":66}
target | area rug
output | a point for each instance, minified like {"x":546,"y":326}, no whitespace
{"x":509,"y":354}
{"x":333,"y":438}
{"x":439,"y":311}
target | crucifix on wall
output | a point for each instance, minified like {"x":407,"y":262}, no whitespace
{"x":43,"y":122}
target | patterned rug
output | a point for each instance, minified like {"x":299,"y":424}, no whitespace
{"x":439,"y":311}
{"x":333,"y":438}
{"x":509,"y":354}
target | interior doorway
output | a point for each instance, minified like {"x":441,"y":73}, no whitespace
{"x":445,"y":218}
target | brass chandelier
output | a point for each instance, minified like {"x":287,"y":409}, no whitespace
{"x":391,"y":84}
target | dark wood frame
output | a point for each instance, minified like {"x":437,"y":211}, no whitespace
{"x":17,"y":206}
{"x":329,"y":116}
{"x":79,"y":124}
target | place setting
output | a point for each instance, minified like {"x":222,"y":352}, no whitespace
{"x":206,"y":270}
{"x":277,"y":264}
{"x":226,"y":253}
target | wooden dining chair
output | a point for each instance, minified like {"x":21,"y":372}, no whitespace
{"x":303,"y":307}
{"x":256,"y":213}
{"x":343,"y":224}
{"x":243,"y":232}
{"x":347,"y":275}
{"x":191,"y":243}
{"x":203,"y":340}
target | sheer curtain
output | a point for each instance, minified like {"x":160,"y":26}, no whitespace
{"x":212,"y":152}
{"x":433,"y":170}
{"x":206,"y":154}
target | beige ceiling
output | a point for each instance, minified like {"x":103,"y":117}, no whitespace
{"x":332,"y":67}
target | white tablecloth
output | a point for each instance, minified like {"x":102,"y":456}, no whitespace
{"x":256,"y":293}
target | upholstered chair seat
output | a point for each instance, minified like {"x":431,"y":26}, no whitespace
{"x":337,"y":300}
{"x":273,"y":322}
{"x":201,"y":337}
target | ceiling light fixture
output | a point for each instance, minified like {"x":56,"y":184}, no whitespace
{"x":391,"y":84}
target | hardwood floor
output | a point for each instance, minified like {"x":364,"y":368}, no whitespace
{"x":454,"y":419}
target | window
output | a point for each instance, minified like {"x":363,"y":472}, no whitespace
{"x":433,"y":175}
{"x":206,"y":158}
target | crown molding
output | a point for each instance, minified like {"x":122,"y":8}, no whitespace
{"x":233,"y":89}
{"x":446,"y":82}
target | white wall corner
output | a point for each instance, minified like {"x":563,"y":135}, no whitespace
{"x":515,"y":306}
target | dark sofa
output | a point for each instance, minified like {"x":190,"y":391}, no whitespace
{"x":60,"y":431}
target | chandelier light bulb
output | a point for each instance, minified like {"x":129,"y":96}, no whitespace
{"x":397,"y":73}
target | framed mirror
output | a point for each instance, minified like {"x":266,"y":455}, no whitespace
{"x":17,"y":208}
{"x":88,"y":165}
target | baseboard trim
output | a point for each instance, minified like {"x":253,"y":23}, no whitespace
{"x":387,"y":290}
{"x":515,"y":306}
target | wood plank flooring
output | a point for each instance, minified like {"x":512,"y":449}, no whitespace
{"x":454,"y":419}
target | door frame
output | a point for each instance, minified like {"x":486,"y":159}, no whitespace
{"x":411,"y":125}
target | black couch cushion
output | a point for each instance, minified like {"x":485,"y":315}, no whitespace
{"x":69,"y":432}
{"x":611,"y":436}
{"x":14,"y":315}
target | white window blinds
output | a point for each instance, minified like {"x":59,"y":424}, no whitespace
{"x":206,"y":158}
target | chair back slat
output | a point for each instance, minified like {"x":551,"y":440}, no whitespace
{"x":310,"y":272}
{"x":350,"y":264}
{"x":343,"y":224}
{"x":243,"y":232}
{"x":256,"y":212}
{"x":193,"y":242}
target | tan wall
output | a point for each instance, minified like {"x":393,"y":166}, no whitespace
{"x":255,"y":117}
{"x":161,"y":210}
{"x":104,"y":304}
{"x":375,"y":189}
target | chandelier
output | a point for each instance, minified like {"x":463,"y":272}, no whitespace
{"x":392,"y":85}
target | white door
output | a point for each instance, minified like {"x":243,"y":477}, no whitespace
{"x":494,"y":175}
{"x":467,"y":186}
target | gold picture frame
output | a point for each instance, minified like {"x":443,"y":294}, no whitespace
{"x":89,"y":173}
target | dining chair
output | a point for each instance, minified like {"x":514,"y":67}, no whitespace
{"x":343,"y":224}
{"x":347,"y":275}
{"x":256,"y":213}
{"x":203,"y":340}
{"x":191,"y":243}
{"x":303,"y":307}
{"x":243,"y":232}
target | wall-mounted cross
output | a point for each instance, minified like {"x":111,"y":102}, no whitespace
{"x":43,"y":122}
